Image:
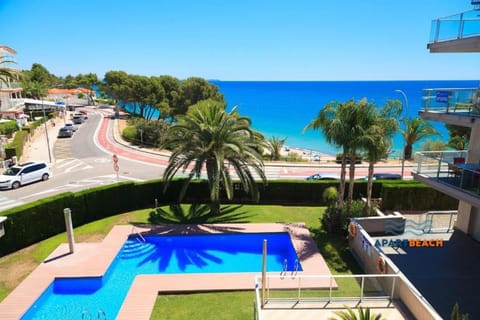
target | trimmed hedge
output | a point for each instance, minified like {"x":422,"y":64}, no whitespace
{"x":41,"y":219}
{"x":415,"y":196}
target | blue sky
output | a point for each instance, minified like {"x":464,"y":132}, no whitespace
{"x":236,"y":40}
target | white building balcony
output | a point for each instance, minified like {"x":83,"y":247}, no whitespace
{"x":449,"y":172}
{"x":456,"y":33}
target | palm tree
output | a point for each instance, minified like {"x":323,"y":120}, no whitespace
{"x":377,"y":140}
{"x":415,"y":129}
{"x":363,"y":314}
{"x":275,"y":145}
{"x":331,"y":120}
{"x":209,"y":137}
{"x":361,"y":117}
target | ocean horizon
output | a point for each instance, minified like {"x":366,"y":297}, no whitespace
{"x":283,"y":108}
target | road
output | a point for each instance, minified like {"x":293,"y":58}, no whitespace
{"x":85,"y":161}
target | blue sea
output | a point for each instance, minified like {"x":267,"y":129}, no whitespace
{"x":283,"y":108}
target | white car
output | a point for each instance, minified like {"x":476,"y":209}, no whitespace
{"x":21,"y":174}
{"x":71,"y":126}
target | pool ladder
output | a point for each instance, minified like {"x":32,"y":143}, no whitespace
{"x":101,"y":315}
{"x":139,"y":236}
{"x":296,"y":266}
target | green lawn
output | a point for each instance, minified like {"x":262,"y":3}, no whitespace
{"x":228,"y":305}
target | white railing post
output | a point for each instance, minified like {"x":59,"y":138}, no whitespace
{"x":393,"y":289}
{"x":362,"y":287}
{"x":330,"y":289}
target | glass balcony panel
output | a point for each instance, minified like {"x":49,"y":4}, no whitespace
{"x":460,"y":100}
{"x":458,"y":26}
{"x":450,"y":167}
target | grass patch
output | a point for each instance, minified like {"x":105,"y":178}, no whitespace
{"x":212,"y":305}
{"x":226,"y":305}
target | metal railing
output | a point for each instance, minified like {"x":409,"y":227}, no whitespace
{"x":323,"y":288}
{"x":457,"y":26}
{"x":450,"y":167}
{"x":452,"y":100}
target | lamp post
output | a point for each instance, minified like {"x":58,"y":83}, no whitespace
{"x":406,"y":115}
{"x":46,"y":132}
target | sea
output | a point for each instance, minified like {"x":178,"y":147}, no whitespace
{"x":282,"y":109}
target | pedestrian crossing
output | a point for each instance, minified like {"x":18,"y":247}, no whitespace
{"x":10,"y":201}
{"x":70,"y":165}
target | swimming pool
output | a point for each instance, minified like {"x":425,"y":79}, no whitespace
{"x":102,"y":297}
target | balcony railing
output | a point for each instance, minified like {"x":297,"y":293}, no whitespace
{"x":451,"y":168}
{"x":458,"y":26}
{"x":452,"y":100}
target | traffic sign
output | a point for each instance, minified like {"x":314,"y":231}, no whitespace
{"x":115,"y":158}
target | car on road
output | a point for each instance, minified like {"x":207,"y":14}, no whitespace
{"x":24,"y":173}
{"x":78,"y":119}
{"x":65,"y":132}
{"x":387,"y":176}
{"x":84,"y":113}
{"x":383,"y":176}
{"x":323,"y":176}
{"x":71,"y":126}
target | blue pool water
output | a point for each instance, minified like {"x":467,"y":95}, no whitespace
{"x":68,"y":298}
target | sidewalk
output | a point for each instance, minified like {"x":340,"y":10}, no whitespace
{"x":37,"y":149}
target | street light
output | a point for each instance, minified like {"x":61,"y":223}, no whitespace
{"x":406,"y":115}
{"x":46,"y":133}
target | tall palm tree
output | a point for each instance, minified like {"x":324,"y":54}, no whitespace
{"x":361,"y":116}
{"x":332,"y":120}
{"x":275,"y":145}
{"x":415,"y":129}
{"x":377,"y":140}
{"x":209,"y":137}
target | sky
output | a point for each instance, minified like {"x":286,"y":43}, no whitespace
{"x":276,"y":40}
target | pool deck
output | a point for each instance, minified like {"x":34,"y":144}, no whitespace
{"x":93,"y":260}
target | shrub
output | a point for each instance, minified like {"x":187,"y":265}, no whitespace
{"x":8,"y":128}
{"x":130,"y":133}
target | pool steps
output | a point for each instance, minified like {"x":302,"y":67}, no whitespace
{"x":134,"y":248}
{"x":101,"y":315}
{"x":296,"y":266}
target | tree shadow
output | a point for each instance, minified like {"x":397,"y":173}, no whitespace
{"x":196,"y":214}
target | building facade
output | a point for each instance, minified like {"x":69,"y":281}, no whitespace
{"x":456,"y":173}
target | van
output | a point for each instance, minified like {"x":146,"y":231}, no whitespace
{"x":25,"y":173}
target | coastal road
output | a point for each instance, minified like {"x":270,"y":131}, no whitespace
{"x":85,"y":161}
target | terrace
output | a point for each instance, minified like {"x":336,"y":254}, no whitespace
{"x":456,"y":33}
{"x":458,"y":106}
{"x":450,"y":173}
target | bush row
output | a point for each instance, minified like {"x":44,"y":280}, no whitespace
{"x":8,"y":128}
{"x":15,"y":148}
{"x":36,"y":221}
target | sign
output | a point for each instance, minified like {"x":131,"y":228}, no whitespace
{"x":141,"y":128}
{"x":442,"y":96}
{"x":115,"y":163}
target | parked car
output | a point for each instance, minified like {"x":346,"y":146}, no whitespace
{"x":84,"y":113}
{"x":323,"y":176}
{"x":71,"y":126}
{"x":78,"y":119}
{"x":387,"y":176}
{"x":383,"y":176}
{"x":21,"y":174}
{"x":65,"y":132}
